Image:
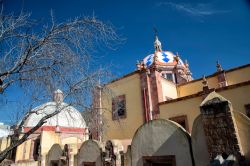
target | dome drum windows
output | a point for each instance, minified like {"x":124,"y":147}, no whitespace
{"x":168,"y":76}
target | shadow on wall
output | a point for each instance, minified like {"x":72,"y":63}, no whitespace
{"x":243,"y":127}
{"x":199,"y":144}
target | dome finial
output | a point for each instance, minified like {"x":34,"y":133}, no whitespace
{"x":58,"y":96}
{"x":157,"y":43}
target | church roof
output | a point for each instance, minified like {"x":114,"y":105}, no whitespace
{"x":67,"y":117}
{"x":162,"y":58}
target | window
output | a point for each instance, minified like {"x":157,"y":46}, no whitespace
{"x":181,"y":120}
{"x":119,"y":107}
{"x":247,"y":107}
{"x":36,"y":149}
{"x":168,"y":76}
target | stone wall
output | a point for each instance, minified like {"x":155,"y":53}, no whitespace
{"x":199,"y":144}
{"x":219,"y":126}
{"x":161,"y":139}
{"x":89,"y":152}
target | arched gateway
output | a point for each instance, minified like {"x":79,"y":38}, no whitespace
{"x":161,"y":142}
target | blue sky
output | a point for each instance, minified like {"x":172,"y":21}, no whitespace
{"x":200,"y":31}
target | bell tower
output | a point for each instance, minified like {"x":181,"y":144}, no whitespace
{"x":155,"y":69}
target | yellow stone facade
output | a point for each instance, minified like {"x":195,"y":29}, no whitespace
{"x":186,"y":99}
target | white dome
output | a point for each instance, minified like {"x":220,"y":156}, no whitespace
{"x":163,"y":58}
{"x":67,"y":117}
{"x":4,"y":132}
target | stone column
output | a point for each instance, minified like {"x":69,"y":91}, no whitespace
{"x":219,"y":126}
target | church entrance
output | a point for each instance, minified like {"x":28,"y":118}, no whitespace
{"x":159,"y":160}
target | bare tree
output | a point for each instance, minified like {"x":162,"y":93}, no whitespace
{"x":39,"y":57}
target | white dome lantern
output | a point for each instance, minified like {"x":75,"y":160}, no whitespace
{"x":58,"y":96}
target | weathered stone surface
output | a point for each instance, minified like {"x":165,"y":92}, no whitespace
{"x":199,"y":144}
{"x":219,"y":127}
{"x":161,"y":138}
{"x":89,"y":152}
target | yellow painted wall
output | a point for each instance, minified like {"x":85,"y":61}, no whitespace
{"x":237,"y":76}
{"x":27,"y":150}
{"x":243,"y":126}
{"x":48,"y":139}
{"x":24,"y":150}
{"x":233,"y":77}
{"x":5,"y":142}
{"x":72,"y":142}
{"x":189,"y":107}
{"x":169,"y":89}
{"x":19,"y":151}
{"x":123,"y":128}
{"x":196,"y":86}
{"x":238,"y":96}
{"x":130,"y":86}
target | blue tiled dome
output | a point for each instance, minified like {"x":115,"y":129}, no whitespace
{"x":163,"y":58}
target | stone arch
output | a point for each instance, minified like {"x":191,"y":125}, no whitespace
{"x":163,"y":142}
{"x":199,"y":145}
{"x":89,"y":153}
{"x":54,"y":155}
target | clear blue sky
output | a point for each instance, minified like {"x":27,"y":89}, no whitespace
{"x":201,"y":31}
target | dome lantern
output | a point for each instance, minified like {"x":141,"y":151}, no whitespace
{"x":58,"y":96}
{"x":157,"y":44}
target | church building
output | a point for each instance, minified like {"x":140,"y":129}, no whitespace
{"x":213,"y":111}
{"x":56,"y":142}
{"x":156,"y":115}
